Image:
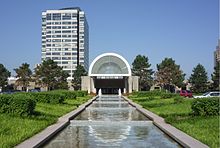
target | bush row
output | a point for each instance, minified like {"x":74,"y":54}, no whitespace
{"x":148,"y":93}
{"x":154,"y":93}
{"x":24,"y":103}
{"x":205,"y":106}
{"x":56,"y":97}
{"x":71,"y":94}
{"x":48,"y":97}
{"x":17,"y":104}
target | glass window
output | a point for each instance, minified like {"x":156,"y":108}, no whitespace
{"x":56,"y":16}
{"x":66,"y":16}
{"x":66,"y":31}
{"x":66,"y":23}
{"x":56,"y":53}
{"x":48,"y":16}
{"x":64,"y":62}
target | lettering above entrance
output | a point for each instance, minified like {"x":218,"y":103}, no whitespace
{"x":109,"y":64}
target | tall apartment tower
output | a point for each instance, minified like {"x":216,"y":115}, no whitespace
{"x":65,"y":38}
{"x":217,"y":53}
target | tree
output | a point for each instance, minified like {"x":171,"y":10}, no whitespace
{"x":141,"y":68}
{"x":50,"y":75}
{"x":24,"y":75}
{"x":169,"y":75}
{"x":76,"y":82}
{"x":4,"y":74}
{"x":199,"y":79}
{"x":215,"y":77}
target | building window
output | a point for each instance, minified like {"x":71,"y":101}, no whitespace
{"x":56,"y":16}
{"x":48,"y":16}
{"x":66,"y":16}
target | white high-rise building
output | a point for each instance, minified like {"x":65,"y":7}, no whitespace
{"x":65,"y":38}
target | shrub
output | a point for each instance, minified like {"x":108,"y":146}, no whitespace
{"x":48,"y":97}
{"x":205,"y":106}
{"x":148,"y":93}
{"x":81,"y":93}
{"x":67,"y":94}
{"x":178,"y":99}
{"x":168,"y":95}
{"x":18,"y":104}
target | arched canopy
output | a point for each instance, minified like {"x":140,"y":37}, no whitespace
{"x":109,"y":64}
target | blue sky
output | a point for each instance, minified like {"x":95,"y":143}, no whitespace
{"x":185,"y":30}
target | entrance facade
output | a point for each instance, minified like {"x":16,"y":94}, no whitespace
{"x":109,"y":72}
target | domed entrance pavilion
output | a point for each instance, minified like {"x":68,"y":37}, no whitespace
{"x":110,"y":72}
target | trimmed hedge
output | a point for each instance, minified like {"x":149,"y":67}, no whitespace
{"x":148,"y":93}
{"x":178,"y":99}
{"x":71,"y":94}
{"x":48,"y":97}
{"x":81,"y":93}
{"x":205,"y":106}
{"x":154,"y":93}
{"x":17,"y":104}
{"x":57,"y":96}
{"x":168,"y":95}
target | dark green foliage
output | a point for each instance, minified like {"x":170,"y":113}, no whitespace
{"x":24,"y":75}
{"x":148,"y":93}
{"x":4,"y":74}
{"x":81,"y":93}
{"x":17,"y":104}
{"x":141,"y":68}
{"x":49,"y":74}
{"x":178,"y":99}
{"x":168,"y":95}
{"x":76,"y":82}
{"x":206,"y":106}
{"x":169,"y":74}
{"x":155,"y":93}
{"x":48,"y":97}
{"x":68,"y":94}
{"x":71,"y":94}
{"x":199,"y":79}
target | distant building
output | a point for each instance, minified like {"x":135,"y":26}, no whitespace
{"x":217,"y":53}
{"x":65,"y":38}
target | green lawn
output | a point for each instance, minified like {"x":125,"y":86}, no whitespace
{"x":205,"y":129}
{"x":15,"y":129}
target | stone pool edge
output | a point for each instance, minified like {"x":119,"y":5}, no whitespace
{"x":50,"y":131}
{"x":179,"y":136}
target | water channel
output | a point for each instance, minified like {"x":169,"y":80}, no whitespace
{"x":110,"y":121}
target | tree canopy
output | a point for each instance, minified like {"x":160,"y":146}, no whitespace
{"x":141,"y":68}
{"x":169,"y":74}
{"x":199,"y":79}
{"x":51,"y":75}
{"x":23,"y":73}
{"x":76,"y":82}
{"x":4,"y":74}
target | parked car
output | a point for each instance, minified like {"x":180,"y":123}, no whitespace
{"x":186,"y":93}
{"x":209,"y":94}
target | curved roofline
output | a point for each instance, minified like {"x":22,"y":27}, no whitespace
{"x":109,"y":54}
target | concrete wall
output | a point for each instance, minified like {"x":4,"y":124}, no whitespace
{"x":135,"y":83}
{"x":85,"y":84}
